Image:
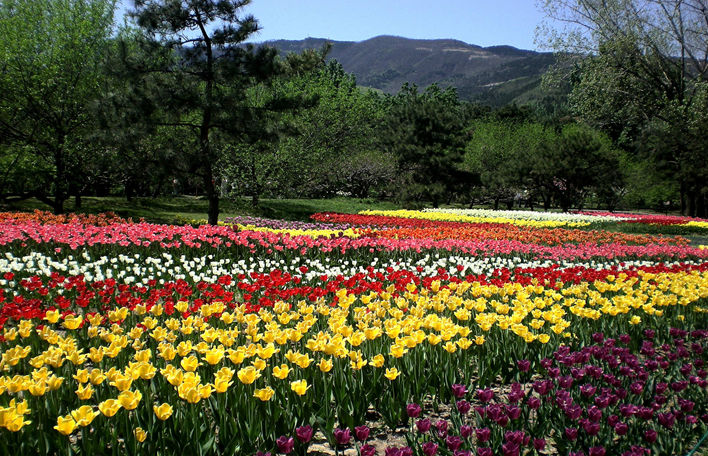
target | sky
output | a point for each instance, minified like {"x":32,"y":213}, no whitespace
{"x":480,"y":22}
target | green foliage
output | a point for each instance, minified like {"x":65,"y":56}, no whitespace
{"x":427,"y":134}
{"x":575,"y":161}
{"x":502,"y":153}
{"x":52,"y":54}
{"x":329,"y":147}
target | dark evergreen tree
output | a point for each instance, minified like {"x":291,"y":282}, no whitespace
{"x":427,"y":133}
{"x":192,"y":73}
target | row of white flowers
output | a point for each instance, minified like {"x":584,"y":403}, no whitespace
{"x":140,"y":269}
{"x":528,"y":215}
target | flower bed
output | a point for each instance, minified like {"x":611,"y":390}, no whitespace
{"x":141,"y":338}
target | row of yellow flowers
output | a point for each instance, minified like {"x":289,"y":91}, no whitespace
{"x":452,"y":217}
{"x":92,"y":366}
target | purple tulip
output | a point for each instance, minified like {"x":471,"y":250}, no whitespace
{"x":598,"y":337}
{"x":453,"y":442}
{"x":413,"y":410}
{"x":636,"y":387}
{"x":462,"y":453}
{"x":459,"y":391}
{"x":650,"y":436}
{"x":260,"y":453}
{"x":463,"y":407}
{"x":485,"y":395}
{"x":441,"y":427}
{"x":524,"y":365}
{"x":596,"y":451}
{"x":534,"y":403}
{"x":666,"y":419}
{"x":342,"y":436}
{"x":571,"y":433}
{"x":466,"y":431}
{"x":304,"y":433}
{"x":594,"y":414}
{"x":423,"y":425}
{"x":624,"y":338}
{"x":510,"y":449}
{"x":429,"y":448}
{"x":621,"y":428}
{"x":539,"y":444}
{"x":285,"y":444}
{"x":483,"y":434}
{"x":361,"y":433}
{"x":649,"y":333}
{"x":367,"y":450}
{"x":392,"y":451}
{"x":406,"y":451}
{"x":483,"y":451}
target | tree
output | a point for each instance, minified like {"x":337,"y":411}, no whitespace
{"x":641,"y":64}
{"x":427,"y":134}
{"x":575,"y":161}
{"x":192,"y":75}
{"x":502,"y":153}
{"x":51,"y":70}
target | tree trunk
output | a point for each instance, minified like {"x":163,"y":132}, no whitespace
{"x":213,"y":198}
{"x":59,"y":179}
{"x":700,"y":205}
{"x":691,"y":199}
{"x":77,"y":200}
{"x":496,"y":204}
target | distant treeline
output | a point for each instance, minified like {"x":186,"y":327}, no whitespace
{"x":176,"y":104}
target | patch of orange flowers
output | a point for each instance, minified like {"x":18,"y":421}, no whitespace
{"x":543,"y":236}
{"x":47,"y":218}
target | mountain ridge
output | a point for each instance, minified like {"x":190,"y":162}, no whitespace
{"x":493,"y":75}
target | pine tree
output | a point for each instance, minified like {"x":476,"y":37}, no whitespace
{"x":192,"y":73}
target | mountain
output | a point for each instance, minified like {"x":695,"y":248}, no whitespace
{"x":494,"y":75}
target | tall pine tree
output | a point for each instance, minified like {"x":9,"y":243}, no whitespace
{"x":192,"y":72}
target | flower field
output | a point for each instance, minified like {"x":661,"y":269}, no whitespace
{"x":476,"y":332}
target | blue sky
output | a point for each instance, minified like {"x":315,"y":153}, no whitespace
{"x":481,"y":22}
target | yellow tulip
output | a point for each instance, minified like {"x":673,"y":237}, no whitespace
{"x":392,"y":373}
{"x":52,"y":316}
{"x":140,"y":434}
{"x":248,"y":375}
{"x":84,"y":415}
{"x":190,"y":363}
{"x":325,"y":365}
{"x":214,"y":355}
{"x":129,"y":399}
{"x":264,"y":394}
{"x":65,"y":424}
{"x":85,"y":392}
{"x":109,"y":407}
{"x":281,"y":372}
{"x":300,"y":387}
{"x":163,"y":412}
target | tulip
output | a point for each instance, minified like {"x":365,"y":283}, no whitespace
{"x":483,"y":434}
{"x":453,"y":442}
{"x":140,"y":434}
{"x":342,"y":436}
{"x":285,"y":444}
{"x":423,"y":426}
{"x":361,"y":433}
{"x":304,"y":433}
{"x":84,"y":415}
{"x":65,"y":424}
{"x":466,"y":431}
{"x":163,"y":412}
{"x":413,"y":410}
{"x":458,"y":390}
{"x":367,"y":450}
{"x":429,"y":448}
{"x":300,"y":387}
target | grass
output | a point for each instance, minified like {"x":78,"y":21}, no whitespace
{"x":181,"y":209}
